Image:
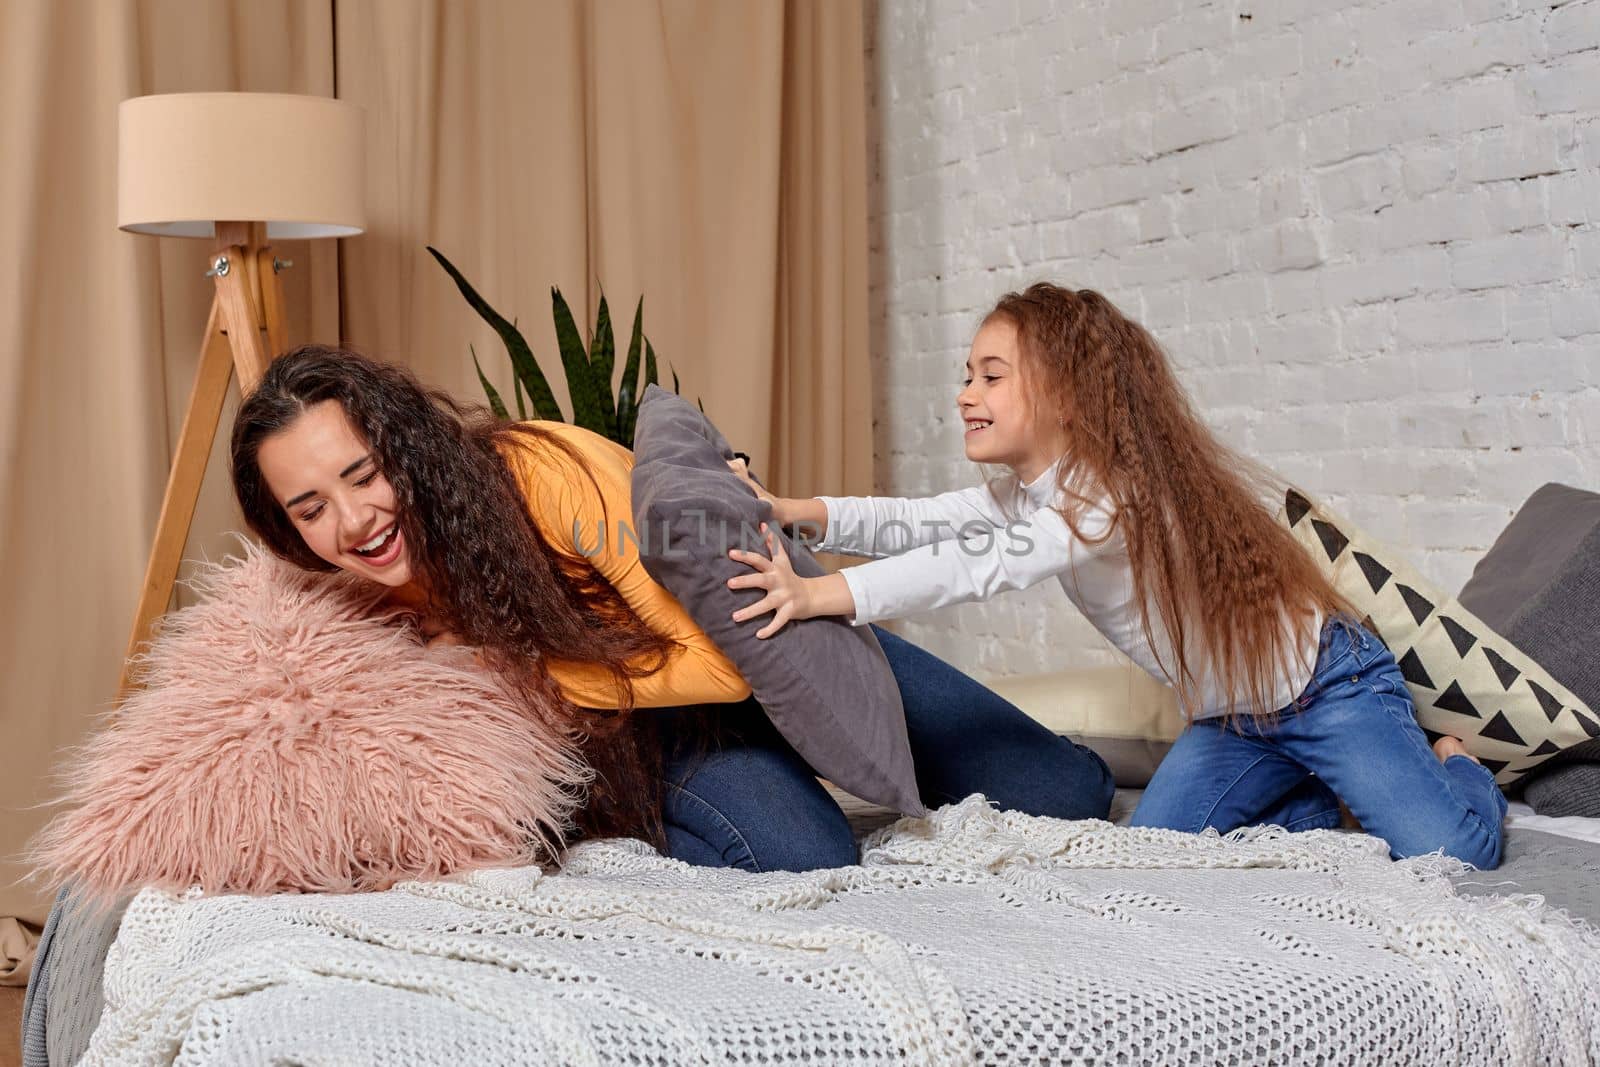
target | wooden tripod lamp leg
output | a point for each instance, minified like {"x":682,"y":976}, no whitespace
{"x":240,"y":298}
{"x":183,"y":484}
{"x":246,"y":315}
{"x":270,"y":287}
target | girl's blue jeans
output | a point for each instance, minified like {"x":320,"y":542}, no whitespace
{"x":747,"y":799}
{"x":1352,"y":735}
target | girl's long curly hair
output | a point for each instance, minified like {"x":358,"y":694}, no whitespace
{"x":1235,"y":593}
{"x":490,"y":574}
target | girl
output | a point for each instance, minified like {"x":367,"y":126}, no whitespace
{"x":1157,"y":535}
{"x":343,"y":462}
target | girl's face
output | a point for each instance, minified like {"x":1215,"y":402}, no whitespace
{"x":324,"y":476}
{"x":1001,"y":425}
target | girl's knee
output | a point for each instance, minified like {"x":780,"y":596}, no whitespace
{"x":1167,"y":813}
{"x":1480,"y":849}
{"x":1483,"y":854}
{"x":1486,"y":858}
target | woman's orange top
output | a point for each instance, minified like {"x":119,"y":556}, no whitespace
{"x":570,"y":507}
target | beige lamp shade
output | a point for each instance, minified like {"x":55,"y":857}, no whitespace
{"x":188,"y":160}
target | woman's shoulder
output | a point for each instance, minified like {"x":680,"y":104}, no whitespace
{"x":585,"y":440}
{"x":567,"y":431}
{"x":564,"y":468}
{"x":544,"y":442}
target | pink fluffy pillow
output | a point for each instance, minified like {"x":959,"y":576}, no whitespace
{"x":289,"y":739}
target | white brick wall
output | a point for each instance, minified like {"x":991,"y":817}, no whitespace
{"x":1368,"y":234}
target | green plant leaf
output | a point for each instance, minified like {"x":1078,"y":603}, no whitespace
{"x":675,"y":386}
{"x":495,"y":403}
{"x":516,"y":382}
{"x":650,"y":375}
{"x":522,"y":361}
{"x":628,"y":392}
{"x":602,"y":361}
{"x":581,"y":386}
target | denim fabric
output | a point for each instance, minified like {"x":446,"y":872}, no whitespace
{"x":746,"y":799}
{"x":1352,"y":735}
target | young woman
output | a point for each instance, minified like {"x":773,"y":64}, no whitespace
{"x":343,"y":462}
{"x":1158,"y":535}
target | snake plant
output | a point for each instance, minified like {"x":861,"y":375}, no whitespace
{"x":588,"y":368}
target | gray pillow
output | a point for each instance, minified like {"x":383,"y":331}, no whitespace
{"x":1568,"y":785}
{"x":1559,"y":626}
{"x":825,"y":684}
{"x":1528,"y":552}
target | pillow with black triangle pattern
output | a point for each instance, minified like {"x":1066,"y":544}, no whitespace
{"x":1467,"y":680}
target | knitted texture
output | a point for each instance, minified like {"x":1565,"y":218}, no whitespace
{"x":291,"y":736}
{"x":971,"y":936}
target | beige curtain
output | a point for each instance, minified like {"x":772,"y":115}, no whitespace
{"x":822,"y":396}
{"x":640,"y":147}
{"x":709,"y":155}
{"x":99,"y":338}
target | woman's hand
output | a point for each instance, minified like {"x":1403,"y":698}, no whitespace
{"x":435,"y":634}
{"x":789,"y":596}
{"x":441,"y":638}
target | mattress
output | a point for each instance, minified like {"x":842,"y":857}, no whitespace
{"x":1556,"y":859}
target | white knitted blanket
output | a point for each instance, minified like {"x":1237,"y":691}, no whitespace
{"x":968,"y":937}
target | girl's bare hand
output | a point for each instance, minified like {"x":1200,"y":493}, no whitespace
{"x":739,"y":467}
{"x":787,"y":593}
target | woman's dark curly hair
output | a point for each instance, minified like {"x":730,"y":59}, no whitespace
{"x":490,"y":574}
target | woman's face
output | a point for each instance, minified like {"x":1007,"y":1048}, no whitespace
{"x":324,"y":476}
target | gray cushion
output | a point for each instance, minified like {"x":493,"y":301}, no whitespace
{"x":825,"y":684}
{"x":1560,"y":626}
{"x":1568,"y":785}
{"x":1529,"y":551}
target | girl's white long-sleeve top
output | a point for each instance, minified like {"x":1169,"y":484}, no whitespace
{"x":970,"y":544}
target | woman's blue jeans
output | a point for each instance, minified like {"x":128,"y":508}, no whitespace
{"x":748,"y":800}
{"x":1352,"y":735}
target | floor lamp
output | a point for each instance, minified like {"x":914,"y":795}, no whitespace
{"x":238,"y":169}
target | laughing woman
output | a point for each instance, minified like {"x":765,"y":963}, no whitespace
{"x":342,"y":462}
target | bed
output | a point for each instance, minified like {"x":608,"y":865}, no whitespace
{"x":968,"y":937}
